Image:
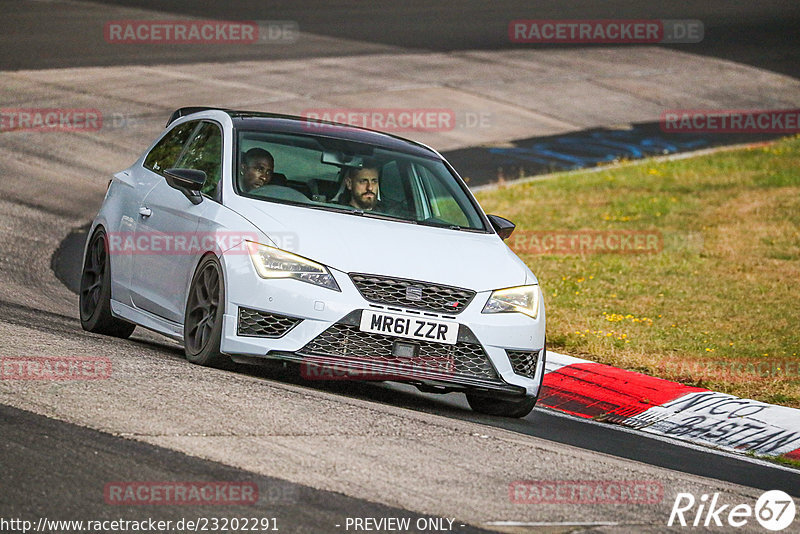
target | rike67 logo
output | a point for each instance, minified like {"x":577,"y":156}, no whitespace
{"x":774,"y":510}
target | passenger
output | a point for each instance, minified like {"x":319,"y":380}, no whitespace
{"x":257,"y":169}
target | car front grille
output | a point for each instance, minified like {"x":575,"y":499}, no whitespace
{"x":412,"y":294}
{"x":263,"y":324}
{"x":523,"y":362}
{"x":347,"y":341}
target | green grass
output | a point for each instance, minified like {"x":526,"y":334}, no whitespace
{"x":718,"y":307}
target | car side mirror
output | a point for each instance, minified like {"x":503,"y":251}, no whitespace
{"x":503,"y":227}
{"x":187,"y":181}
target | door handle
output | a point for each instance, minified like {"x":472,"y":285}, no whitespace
{"x":145,"y":212}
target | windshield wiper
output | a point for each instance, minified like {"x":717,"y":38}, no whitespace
{"x":360,"y":212}
{"x":328,"y":207}
{"x":437,"y":224}
{"x":385,"y":216}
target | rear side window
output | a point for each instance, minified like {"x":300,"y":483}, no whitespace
{"x":166,"y":152}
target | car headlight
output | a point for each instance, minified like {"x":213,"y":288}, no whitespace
{"x":523,"y":299}
{"x":271,"y":262}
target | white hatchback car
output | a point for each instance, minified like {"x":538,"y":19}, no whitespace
{"x":357,"y":254}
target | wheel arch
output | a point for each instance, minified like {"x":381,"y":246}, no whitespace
{"x":96,"y":224}
{"x":195,"y":266}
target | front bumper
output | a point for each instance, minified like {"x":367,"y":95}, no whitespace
{"x":499,"y":354}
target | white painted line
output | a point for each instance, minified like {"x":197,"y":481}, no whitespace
{"x":674,"y":441}
{"x":709,"y":418}
{"x":552,"y":523}
{"x":726,"y":421}
{"x":556,"y":361}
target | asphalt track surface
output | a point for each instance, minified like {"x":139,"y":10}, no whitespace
{"x":88,"y":460}
{"x":55,"y":468}
{"x":764,"y":34}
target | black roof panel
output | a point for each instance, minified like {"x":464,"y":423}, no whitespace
{"x":275,"y":122}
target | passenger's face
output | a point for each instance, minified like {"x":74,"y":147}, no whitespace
{"x":363,"y":186}
{"x":257,"y":173}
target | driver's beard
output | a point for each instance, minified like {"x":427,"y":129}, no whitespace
{"x":366,"y":204}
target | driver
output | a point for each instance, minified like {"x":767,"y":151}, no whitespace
{"x":257,"y":168}
{"x":363,"y":187}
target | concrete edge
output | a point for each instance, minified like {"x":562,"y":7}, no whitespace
{"x":661,"y":407}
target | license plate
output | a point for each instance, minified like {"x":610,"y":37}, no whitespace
{"x":419,"y":328}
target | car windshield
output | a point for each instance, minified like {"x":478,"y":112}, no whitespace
{"x":355,"y":178}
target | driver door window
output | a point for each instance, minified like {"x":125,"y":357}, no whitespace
{"x":441,"y":199}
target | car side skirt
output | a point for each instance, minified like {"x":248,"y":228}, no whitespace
{"x":147,"y":320}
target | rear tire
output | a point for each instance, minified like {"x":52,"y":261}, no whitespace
{"x":205,"y":306}
{"x":95,"y":292}
{"x":503,"y":408}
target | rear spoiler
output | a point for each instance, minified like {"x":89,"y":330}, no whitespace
{"x":182,"y":112}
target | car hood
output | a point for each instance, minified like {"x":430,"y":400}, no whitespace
{"x":353,"y":243}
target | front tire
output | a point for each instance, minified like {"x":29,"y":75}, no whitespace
{"x":503,"y":408}
{"x":95,"y":292}
{"x":202,"y":326}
